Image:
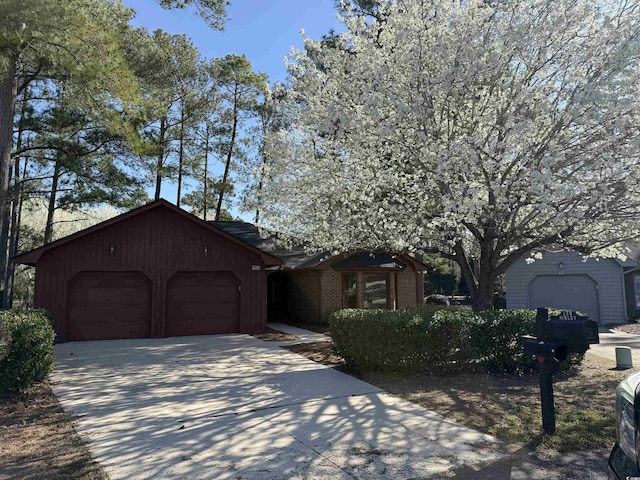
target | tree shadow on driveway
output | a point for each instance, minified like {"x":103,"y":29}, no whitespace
{"x":231,"y":406}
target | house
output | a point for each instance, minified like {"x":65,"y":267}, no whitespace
{"x":155,"y":271}
{"x":606,"y":289}
{"x":308,"y":286}
{"x":158,"y":271}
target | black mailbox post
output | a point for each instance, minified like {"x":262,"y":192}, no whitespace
{"x":556,"y":337}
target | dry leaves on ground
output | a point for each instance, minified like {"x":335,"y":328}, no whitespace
{"x":37,"y":439}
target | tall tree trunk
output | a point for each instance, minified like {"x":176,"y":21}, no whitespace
{"x":14,"y":233}
{"x":5,"y":228}
{"x":480,"y":282}
{"x":8,"y":94}
{"x":15,"y":238}
{"x":227,"y":164}
{"x":48,"y":230}
{"x":16,"y":205}
{"x":180,"y":154}
{"x":260,"y":185}
{"x":206,"y":175}
{"x":482,"y":299}
{"x":160,"y":164}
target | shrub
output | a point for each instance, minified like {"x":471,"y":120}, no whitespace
{"x":379,"y":340}
{"x":495,"y":337}
{"x":30,"y":348}
{"x":447,"y":347}
{"x":401,"y":341}
{"x":434,"y":339}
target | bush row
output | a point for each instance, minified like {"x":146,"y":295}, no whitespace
{"x":433,"y":338}
{"x":26,"y":348}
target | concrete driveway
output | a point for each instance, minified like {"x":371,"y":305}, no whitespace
{"x":610,"y":339}
{"x":234,"y":407}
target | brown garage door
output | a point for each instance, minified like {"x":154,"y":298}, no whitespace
{"x":109,"y":305}
{"x":202,"y":303}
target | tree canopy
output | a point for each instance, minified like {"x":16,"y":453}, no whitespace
{"x":214,"y":12}
{"x":482,"y":131}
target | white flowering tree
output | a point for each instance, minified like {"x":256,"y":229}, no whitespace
{"x":480,"y":130}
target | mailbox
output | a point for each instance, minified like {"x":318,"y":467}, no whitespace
{"x":568,"y":328}
{"x":556,"y":337}
{"x":544,"y":350}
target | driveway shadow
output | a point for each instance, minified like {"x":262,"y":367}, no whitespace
{"x":231,"y":406}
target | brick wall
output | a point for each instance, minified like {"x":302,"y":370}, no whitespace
{"x":313,"y":294}
{"x":406,"y":289}
{"x":331,"y":291}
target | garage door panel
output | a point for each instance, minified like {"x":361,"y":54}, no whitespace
{"x":112,"y":313}
{"x":111,"y":331}
{"x":97,"y":296}
{"x":195,"y":326}
{"x":109,"y":305}
{"x":568,"y":292}
{"x":202,"y":303}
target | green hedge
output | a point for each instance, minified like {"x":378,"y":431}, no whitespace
{"x":379,"y":340}
{"x":434,"y":339}
{"x":494,"y":337}
{"x":28,"y":337}
{"x":399,"y":341}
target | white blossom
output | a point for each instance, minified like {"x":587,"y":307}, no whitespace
{"x":481,"y":129}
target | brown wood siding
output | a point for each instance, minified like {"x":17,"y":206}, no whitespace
{"x":159,"y":243}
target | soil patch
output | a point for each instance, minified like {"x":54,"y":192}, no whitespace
{"x":37,"y":439}
{"x":629,"y":328}
{"x":271,"y":335}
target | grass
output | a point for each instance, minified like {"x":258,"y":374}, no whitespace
{"x":508,"y":407}
{"x":37,"y":439}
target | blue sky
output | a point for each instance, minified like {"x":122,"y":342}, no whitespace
{"x":263,"y":30}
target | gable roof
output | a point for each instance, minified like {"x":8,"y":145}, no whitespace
{"x":633,"y":255}
{"x":369,"y":260}
{"x":296,"y":257}
{"x":31,"y":257}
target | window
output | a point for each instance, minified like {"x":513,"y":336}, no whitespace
{"x":350,"y":290}
{"x":375,"y":291}
{"x":636,"y":289}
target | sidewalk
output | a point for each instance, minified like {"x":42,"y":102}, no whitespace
{"x":610,"y":339}
{"x":304,"y":336}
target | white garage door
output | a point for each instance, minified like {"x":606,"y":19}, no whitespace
{"x":570,"y":292}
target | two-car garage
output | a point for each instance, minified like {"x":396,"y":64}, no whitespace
{"x":155,"y":271}
{"x":111,"y":305}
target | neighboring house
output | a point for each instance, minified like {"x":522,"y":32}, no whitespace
{"x":158,"y":271}
{"x":606,"y":289}
{"x":308,"y":286}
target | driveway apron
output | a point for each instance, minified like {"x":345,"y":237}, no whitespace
{"x":234,"y":407}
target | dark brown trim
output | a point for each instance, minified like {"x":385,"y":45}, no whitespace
{"x":408,"y":259}
{"x":31,"y":257}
